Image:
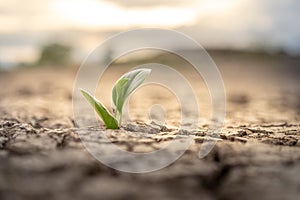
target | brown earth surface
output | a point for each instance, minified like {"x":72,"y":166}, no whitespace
{"x":257,"y":155}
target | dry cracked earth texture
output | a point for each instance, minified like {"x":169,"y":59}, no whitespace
{"x":256,"y":156}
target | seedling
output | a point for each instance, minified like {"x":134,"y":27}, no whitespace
{"x":121,"y":91}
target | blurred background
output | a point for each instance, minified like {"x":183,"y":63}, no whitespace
{"x":32,"y":30}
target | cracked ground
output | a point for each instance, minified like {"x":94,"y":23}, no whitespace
{"x":256,"y":156}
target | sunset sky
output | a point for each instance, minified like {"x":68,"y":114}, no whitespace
{"x":239,"y":24}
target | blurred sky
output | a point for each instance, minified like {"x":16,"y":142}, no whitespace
{"x":25,"y":25}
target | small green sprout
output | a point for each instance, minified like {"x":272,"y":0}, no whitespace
{"x":121,"y":91}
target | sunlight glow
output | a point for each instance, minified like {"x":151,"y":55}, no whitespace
{"x":217,"y":7}
{"x":98,"y":14}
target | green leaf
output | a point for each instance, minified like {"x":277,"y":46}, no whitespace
{"x":108,"y":119}
{"x":126,"y":85}
{"x":119,"y":87}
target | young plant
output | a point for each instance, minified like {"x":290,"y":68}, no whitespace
{"x":121,"y":91}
